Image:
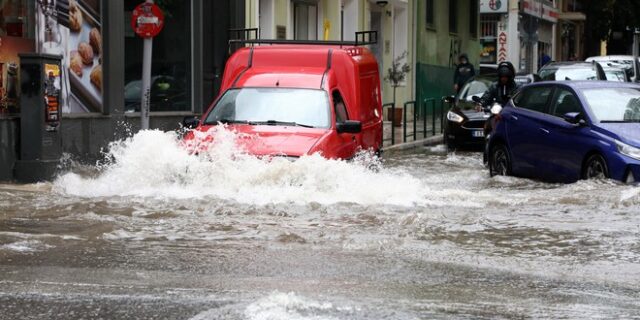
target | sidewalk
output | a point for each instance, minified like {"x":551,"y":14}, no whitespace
{"x":420,"y":134}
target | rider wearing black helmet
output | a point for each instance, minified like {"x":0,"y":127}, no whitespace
{"x":501,"y":90}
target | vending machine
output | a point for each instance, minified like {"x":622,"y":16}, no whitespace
{"x":40,"y":140}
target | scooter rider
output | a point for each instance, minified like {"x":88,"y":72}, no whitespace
{"x":499,"y":92}
{"x":503,"y":89}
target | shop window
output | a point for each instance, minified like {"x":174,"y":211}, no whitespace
{"x":430,"y":14}
{"x":453,"y":16}
{"x":171,"y":64}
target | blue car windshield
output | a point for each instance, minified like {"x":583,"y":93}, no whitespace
{"x":305,"y":107}
{"x":614,"y":104}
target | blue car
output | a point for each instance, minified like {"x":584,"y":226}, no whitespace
{"x":569,"y":130}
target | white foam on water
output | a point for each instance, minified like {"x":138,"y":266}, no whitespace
{"x":280,"y":305}
{"x":156,"y":164}
{"x":26,"y":246}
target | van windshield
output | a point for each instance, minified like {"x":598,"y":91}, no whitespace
{"x":273,"y":106}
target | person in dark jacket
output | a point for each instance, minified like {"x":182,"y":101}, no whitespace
{"x":503,"y":89}
{"x":464,"y":71}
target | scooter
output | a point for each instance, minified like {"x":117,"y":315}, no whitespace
{"x":494,"y":116}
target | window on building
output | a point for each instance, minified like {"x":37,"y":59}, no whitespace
{"x":305,"y":20}
{"x":171,"y":64}
{"x":473,"y":18}
{"x":453,"y":16}
{"x":488,"y":38}
{"x":430,"y":15}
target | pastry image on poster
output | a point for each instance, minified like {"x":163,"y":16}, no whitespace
{"x":73,"y":30}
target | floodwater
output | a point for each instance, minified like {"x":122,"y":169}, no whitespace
{"x":155,"y":233}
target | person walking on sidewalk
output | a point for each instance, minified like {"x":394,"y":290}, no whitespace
{"x":464,"y":71}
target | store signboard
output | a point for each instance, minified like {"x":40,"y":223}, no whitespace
{"x":73,"y":29}
{"x":541,"y":10}
{"x":494,"y":6}
{"x":502,"y":46}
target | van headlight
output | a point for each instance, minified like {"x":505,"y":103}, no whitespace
{"x":628,"y":150}
{"x":452,"y":116}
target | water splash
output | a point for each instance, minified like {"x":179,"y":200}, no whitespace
{"x":157,"y":164}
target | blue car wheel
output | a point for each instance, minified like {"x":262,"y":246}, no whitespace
{"x":595,"y":168}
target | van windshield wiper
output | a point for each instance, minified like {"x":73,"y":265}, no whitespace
{"x":230,"y":121}
{"x":282,"y":123}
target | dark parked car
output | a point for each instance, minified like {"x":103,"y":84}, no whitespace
{"x":568,"y":130}
{"x":572,"y":70}
{"x":465,"y":126}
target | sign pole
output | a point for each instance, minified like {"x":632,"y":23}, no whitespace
{"x":147,"y":20}
{"x":146,"y":81}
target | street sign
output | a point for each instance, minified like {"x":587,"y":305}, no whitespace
{"x":502,"y":47}
{"x":147,"y":20}
{"x":494,"y":6}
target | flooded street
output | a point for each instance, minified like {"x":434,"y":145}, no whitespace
{"x":156,"y":233}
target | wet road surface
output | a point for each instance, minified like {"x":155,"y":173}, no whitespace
{"x":159,"y":234}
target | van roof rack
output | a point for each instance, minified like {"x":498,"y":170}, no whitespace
{"x":240,"y":37}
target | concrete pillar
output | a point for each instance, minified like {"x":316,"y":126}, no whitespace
{"x":513,"y":39}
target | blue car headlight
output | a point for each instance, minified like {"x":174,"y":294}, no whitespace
{"x":628,"y":150}
{"x":452,"y":116}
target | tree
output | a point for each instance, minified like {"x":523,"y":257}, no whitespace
{"x":607,"y":20}
{"x":397,"y":73}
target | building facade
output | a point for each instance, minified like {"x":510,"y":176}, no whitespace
{"x":445,"y":29}
{"x":519,"y":31}
{"x":99,"y":78}
{"x":322,"y":20}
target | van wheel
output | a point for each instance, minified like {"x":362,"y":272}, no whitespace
{"x":499,"y":161}
{"x":451,"y":146}
{"x":595,"y":168}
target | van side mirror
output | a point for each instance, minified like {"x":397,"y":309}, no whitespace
{"x":449,"y":99}
{"x":574,"y":118}
{"x":190,"y":122}
{"x":476,"y":99}
{"x":349,"y":126}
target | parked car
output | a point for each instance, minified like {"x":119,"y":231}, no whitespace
{"x":296,"y":100}
{"x":616,"y":74}
{"x":626,"y":62}
{"x":465,"y":126}
{"x":167,"y":94}
{"x":572,"y":70}
{"x":568,"y":130}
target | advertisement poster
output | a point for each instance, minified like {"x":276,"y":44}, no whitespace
{"x":73,"y":29}
{"x":9,"y":70}
{"x":52,"y":88}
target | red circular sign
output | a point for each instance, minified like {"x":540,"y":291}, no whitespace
{"x":147,"y":20}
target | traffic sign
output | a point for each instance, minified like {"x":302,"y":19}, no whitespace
{"x":147,"y":20}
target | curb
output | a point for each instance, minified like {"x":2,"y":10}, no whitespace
{"x":431,"y":141}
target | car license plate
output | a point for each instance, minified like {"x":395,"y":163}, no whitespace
{"x":477,"y":134}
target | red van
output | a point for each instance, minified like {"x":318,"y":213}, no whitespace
{"x":300,"y":99}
